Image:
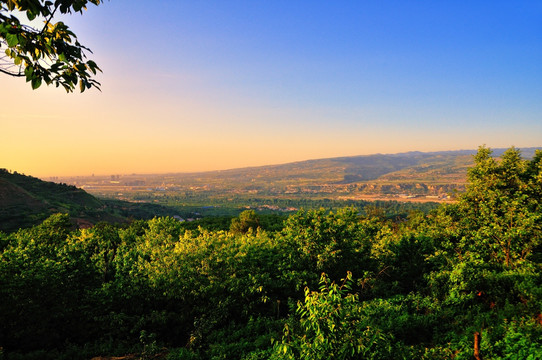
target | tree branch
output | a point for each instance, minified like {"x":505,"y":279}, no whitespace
{"x":49,"y":19}
{"x":20,"y":74}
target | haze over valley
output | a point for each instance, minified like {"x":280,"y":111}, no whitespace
{"x":413,"y":176}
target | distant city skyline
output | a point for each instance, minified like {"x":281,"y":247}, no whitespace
{"x":208,"y":86}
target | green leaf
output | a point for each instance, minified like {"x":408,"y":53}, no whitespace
{"x":36,"y":83}
{"x":28,"y":71}
{"x":12,"y":39}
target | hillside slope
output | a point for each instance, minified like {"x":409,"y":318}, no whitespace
{"x":26,"y":201}
{"x":352,"y":169}
{"x":413,"y":175}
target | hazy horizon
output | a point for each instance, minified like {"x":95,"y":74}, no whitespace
{"x":190,"y":87}
{"x":45,"y":176}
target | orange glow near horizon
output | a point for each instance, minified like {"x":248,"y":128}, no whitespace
{"x":221,"y":92}
{"x":50,"y":133}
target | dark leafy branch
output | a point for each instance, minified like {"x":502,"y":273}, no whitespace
{"x":51,"y":54}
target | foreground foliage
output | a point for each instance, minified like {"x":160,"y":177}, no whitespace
{"x":462,"y":282}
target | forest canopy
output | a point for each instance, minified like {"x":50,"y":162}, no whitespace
{"x":461,"y":282}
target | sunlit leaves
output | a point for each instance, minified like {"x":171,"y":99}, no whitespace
{"x":332,"y":242}
{"x":331,"y":326}
{"x":501,"y":210}
{"x":247,"y":220}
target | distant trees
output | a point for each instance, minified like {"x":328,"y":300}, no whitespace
{"x":50,"y":54}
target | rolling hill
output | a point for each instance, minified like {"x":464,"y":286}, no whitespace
{"x":412,"y":176}
{"x":26,"y":201}
{"x":432,"y":175}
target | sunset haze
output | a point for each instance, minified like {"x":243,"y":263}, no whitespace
{"x":196,"y":86}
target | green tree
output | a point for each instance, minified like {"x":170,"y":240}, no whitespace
{"x":46,"y":289}
{"x":247,"y":220}
{"x":50,"y":54}
{"x":100,"y":243}
{"x":331,"y":326}
{"x":332,"y":242}
{"x":501,"y":209}
{"x":487,"y":256}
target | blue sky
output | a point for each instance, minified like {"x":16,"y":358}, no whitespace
{"x":212,"y":85}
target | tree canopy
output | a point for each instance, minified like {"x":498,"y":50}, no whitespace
{"x":462,"y":282}
{"x":49,"y":53}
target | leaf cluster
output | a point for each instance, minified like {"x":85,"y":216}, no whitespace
{"x":50,"y":54}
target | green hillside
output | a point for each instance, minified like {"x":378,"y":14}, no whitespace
{"x":26,"y":201}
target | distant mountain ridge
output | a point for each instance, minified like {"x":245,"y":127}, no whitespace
{"x":362,"y":167}
{"x":425,"y":176}
{"x":409,"y":158}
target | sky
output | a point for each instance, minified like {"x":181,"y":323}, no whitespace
{"x":207,"y":85}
